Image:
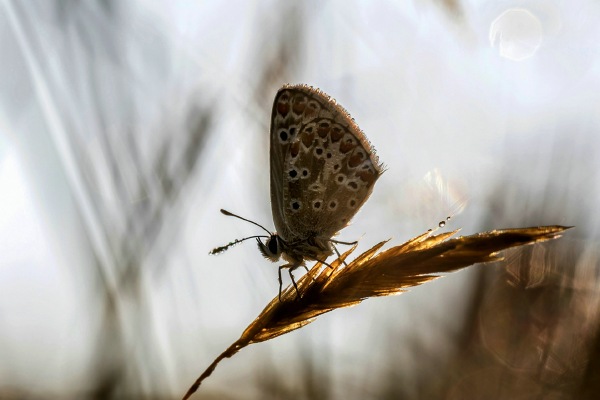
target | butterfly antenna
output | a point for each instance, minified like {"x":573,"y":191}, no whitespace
{"x":230,"y":214}
{"x":220,"y":249}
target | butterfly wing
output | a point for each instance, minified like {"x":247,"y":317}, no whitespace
{"x":323,"y":168}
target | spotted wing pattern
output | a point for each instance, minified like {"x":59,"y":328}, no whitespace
{"x":323,"y":168}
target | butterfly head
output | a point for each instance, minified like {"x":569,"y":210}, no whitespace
{"x":272,"y":248}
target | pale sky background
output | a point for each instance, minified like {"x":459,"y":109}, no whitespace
{"x":496,"y":103}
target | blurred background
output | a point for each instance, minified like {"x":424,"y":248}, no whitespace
{"x":126,"y":125}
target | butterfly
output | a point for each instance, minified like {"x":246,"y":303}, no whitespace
{"x":322,"y":170}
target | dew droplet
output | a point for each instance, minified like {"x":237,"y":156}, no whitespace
{"x":442,"y":224}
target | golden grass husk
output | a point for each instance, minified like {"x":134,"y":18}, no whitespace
{"x":374,"y":274}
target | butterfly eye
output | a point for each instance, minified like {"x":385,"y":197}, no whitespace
{"x":272,"y":244}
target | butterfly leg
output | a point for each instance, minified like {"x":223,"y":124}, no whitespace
{"x":280,"y":282}
{"x":326,"y":263}
{"x":338,"y":253}
{"x":294,"y":282}
{"x":346,"y":243}
{"x":290,"y":267}
{"x":340,"y":242}
{"x":307,"y":270}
